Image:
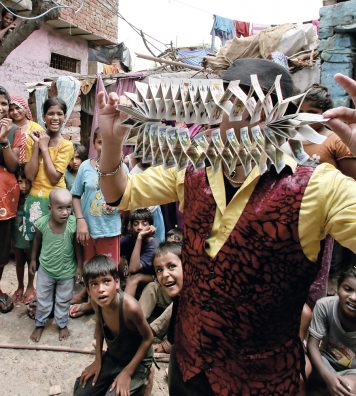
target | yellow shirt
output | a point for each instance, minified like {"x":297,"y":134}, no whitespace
{"x":328,"y":206}
{"x":33,"y":126}
{"x":60,"y":155}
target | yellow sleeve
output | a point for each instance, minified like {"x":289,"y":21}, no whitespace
{"x":29,"y":148}
{"x":328,"y":208}
{"x":154,"y":186}
{"x":64,"y":154}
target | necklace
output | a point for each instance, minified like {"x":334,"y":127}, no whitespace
{"x":231,"y":180}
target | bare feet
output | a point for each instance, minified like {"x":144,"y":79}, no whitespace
{"x":64,"y":333}
{"x":36,"y":334}
{"x":17,"y":295}
{"x":78,"y":310}
{"x":80,"y":297}
{"x":29,"y":295}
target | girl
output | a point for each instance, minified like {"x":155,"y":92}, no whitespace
{"x":22,"y":247}
{"x":99,"y":225}
{"x":10,"y":145}
{"x":80,"y":155}
{"x":8,"y":22}
{"x":47,"y":158}
{"x":334,"y":326}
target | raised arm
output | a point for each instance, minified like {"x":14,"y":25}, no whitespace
{"x":10,"y":154}
{"x":112,"y":178}
{"x":343,"y":119}
{"x":31,"y":167}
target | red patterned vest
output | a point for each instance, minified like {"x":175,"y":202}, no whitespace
{"x":239,"y":313}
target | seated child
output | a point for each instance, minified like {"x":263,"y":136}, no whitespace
{"x":8,"y":23}
{"x":175,"y":235}
{"x":80,"y":155}
{"x":334,"y":327}
{"x":169,"y":272}
{"x":125,"y":366}
{"x":22,"y":247}
{"x":60,"y":261}
{"x":138,"y":248}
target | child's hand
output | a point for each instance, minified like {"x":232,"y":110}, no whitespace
{"x":32,"y":267}
{"x":90,"y":371}
{"x":338,"y":386}
{"x":35,"y":136}
{"x":43,"y":141}
{"x":78,"y":275}
{"x":5,"y":126}
{"x":121,"y":384}
{"x":110,"y":118}
{"x":147,"y":231}
{"x":82,"y":232}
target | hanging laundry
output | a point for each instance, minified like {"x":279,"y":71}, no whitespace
{"x":242,"y":29}
{"x":223,"y":28}
{"x":257,"y":28}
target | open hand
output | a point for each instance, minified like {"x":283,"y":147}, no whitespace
{"x":121,"y":384}
{"x":5,"y":126}
{"x":110,"y":118}
{"x":92,"y":370}
{"x":342,"y":119}
{"x":82,"y":232}
{"x":338,"y":386}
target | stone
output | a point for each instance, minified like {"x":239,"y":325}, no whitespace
{"x":55,"y":390}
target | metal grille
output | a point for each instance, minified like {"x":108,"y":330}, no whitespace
{"x":62,"y":62}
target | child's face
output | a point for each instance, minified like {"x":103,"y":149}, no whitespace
{"x":4,"y":107}
{"x":61,"y":209}
{"x":54,"y":119}
{"x":98,"y":144}
{"x":103,"y":290}
{"x":347,"y":297}
{"x":169,"y":272}
{"x":74,"y":164}
{"x":16,"y":113}
{"x":24,"y":185}
{"x":7,"y":19}
{"x":139,"y":225}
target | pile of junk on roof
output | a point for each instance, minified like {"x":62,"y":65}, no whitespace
{"x":291,"y":45}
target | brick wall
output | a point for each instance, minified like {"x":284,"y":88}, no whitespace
{"x":96,"y":16}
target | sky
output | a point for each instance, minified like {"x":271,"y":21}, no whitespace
{"x":189,"y":22}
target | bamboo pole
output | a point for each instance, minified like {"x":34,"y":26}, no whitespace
{"x":46,"y":348}
{"x":169,"y":62}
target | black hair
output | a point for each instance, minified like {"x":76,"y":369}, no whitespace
{"x":99,"y":265}
{"x":80,"y":150}
{"x":167,"y":247}
{"x":54,"y":101}
{"x":320,"y":97}
{"x":176,"y":233}
{"x":349,"y":273}
{"x":95,"y":134}
{"x":141,"y":214}
{"x":9,"y":10}
{"x":20,"y":172}
{"x":4,"y":92}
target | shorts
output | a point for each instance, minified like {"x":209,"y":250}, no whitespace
{"x":332,"y":369}
{"x":5,"y":238}
{"x":34,"y":208}
{"x":109,"y":246}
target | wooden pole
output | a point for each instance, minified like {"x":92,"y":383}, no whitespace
{"x":169,"y":62}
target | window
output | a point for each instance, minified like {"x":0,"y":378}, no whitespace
{"x":62,"y":62}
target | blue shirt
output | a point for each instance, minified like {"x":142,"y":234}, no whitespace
{"x":103,"y":221}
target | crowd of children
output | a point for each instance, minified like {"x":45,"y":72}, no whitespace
{"x":61,"y":216}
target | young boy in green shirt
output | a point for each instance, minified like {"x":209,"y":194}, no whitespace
{"x":60,"y":261}
{"x":125,"y":366}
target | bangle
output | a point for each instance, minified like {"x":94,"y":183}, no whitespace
{"x":103,"y":174}
{"x":80,"y":218}
{"x":5,"y":145}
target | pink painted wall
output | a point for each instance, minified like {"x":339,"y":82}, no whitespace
{"x":30,"y":61}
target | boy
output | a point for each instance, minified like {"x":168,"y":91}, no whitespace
{"x":138,"y":248}
{"x":175,"y":235}
{"x":60,"y":260}
{"x":8,"y":23}
{"x":125,"y":366}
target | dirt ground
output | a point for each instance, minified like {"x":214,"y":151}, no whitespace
{"x":27,"y":372}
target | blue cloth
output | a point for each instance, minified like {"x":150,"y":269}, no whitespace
{"x":102,"y":221}
{"x":158,"y":222}
{"x":192,"y":57}
{"x":127,"y":245}
{"x":69,"y":178}
{"x":223,"y":28}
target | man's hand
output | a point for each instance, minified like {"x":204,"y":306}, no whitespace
{"x":342,"y":119}
{"x":110,"y":118}
{"x":147,"y":231}
{"x":90,"y":371}
{"x":121,"y":384}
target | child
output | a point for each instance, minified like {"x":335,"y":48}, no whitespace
{"x":175,"y":235}
{"x":22,"y":247}
{"x":138,"y":248}
{"x":60,"y":262}
{"x":99,"y":225}
{"x":334,"y":325}
{"x":47,"y":158}
{"x":169,"y":272}
{"x":8,"y":22}
{"x":125,"y":366}
{"x":80,"y":155}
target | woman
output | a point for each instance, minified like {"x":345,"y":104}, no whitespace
{"x":10,"y":145}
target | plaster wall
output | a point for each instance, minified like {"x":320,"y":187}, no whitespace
{"x":30,"y":61}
